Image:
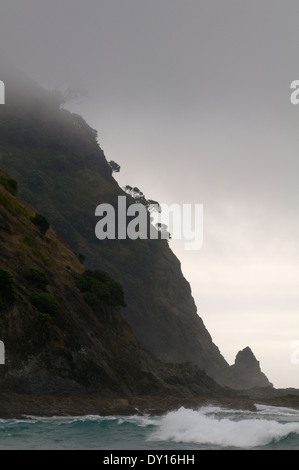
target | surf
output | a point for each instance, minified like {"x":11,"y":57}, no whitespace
{"x":223,"y":428}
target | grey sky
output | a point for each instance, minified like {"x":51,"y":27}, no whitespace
{"x":191,"y":98}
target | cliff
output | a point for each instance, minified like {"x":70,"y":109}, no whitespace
{"x":62,"y":337}
{"x":63,"y":172}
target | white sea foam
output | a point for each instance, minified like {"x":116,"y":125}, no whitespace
{"x":224,"y":428}
{"x":277,"y":410}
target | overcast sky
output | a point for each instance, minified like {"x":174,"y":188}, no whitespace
{"x":192,"y":99}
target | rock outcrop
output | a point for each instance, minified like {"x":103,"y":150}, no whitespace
{"x":246,"y":373}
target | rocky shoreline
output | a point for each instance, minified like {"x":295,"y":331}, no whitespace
{"x":18,"y":406}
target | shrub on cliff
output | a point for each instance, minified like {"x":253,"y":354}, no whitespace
{"x":45,"y":303}
{"x":10,"y":184}
{"x":7,"y":288}
{"x":37,"y":279}
{"x":115,"y":167}
{"x":41,"y":222}
{"x":99,"y":288}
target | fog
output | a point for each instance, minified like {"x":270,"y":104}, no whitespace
{"x":192,"y":99}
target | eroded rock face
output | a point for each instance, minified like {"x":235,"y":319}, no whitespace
{"x":246,"y":373}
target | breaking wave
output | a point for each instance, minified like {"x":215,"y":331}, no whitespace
{"x":218,"y":427}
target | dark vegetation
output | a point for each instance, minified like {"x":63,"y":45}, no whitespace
{"x":38,"y":279}
{"x":41,"y":222}
{"x":8,"y":293}
{"x":10,"y":184}
{"x":115,"y":167}
{"x":45,"y":303}
{"x":99,"y":288}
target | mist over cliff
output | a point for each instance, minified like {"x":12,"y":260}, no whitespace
{"x":61,"y":171}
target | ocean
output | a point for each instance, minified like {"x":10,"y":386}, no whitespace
{"x":209,"y":428}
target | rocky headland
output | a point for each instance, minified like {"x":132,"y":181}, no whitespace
{"x":89,"y":326}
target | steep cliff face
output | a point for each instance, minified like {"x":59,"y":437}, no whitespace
{"x":58,"y":340}
{"x":62,"y":171}
{"x":64,"y":174}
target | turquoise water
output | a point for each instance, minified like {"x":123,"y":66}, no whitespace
{"x":208,"y":428}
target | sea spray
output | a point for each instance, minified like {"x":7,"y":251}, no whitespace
{"x":223,"y":428}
